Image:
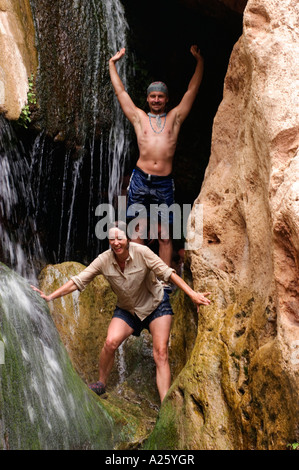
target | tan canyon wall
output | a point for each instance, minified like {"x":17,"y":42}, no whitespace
{"x":240,"y":388}
{"x":18,"y":58}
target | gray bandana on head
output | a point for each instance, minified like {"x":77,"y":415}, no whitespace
{"x":157,"y":86}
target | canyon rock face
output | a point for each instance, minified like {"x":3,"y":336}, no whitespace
{"x":239,"y":389}
{"x":18,"y":58}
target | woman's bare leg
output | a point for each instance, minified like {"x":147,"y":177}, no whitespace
{"x":118,"y":331}
{"x":160,"y":330}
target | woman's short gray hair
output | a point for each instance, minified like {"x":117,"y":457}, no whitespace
{"x":121,"y":225}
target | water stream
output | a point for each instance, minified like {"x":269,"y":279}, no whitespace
{"x":20,"y":244}
{"x":43,"y":402}
{"x":49,"y":189}
{"x":118,"y":136}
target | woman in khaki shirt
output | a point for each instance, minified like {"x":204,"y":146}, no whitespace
{"x":133,"y":270}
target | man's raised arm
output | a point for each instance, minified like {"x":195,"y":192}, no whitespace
{"x":187,"y":101}
{"x":127,"y":105}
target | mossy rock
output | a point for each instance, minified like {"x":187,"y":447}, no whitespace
{"x":44,"y":405}
{"x":82,"y":318}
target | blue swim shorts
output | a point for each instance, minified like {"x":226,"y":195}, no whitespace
{"x":164,"y":308}
{"x":150,"y":191}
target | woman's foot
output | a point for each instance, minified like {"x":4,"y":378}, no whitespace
{"x":98,"y":388}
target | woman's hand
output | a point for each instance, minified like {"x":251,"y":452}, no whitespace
{"x":67,"y":288}
{"x":197,"y":297}
{"x":47,"y":298}
{"x":200,"y":298}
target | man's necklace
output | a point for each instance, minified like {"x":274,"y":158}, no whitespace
{"x":158,"y":121}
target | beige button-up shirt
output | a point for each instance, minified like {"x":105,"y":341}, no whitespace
{"x":137,"y":288}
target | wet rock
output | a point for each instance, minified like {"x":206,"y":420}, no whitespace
{"x":44,"y":405}
{"x":82,"y":319}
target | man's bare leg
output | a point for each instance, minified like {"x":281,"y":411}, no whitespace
{"x":165,"y":244}
{"x":165,"y":250}
{"x":160,"y":330}
{"x":118,"y":331}
{"x":139,"y":231}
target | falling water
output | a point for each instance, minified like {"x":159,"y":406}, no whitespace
{"x":118,"y":140}
{"x":75,"y":179}
{"x":43,"y":402}
{"x":20,"y":244}
{"x":49,"y":191}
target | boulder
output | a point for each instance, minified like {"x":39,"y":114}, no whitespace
{"x":82,"y":319}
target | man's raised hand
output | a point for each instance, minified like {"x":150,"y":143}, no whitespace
{"x":118,"y":55}
{"x":195,"y":51}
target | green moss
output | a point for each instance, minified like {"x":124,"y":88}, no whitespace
{"x":131,"y":424}
{"x":25,"y":116}
{"x":293,"y":446}
{"x":165,"y":435}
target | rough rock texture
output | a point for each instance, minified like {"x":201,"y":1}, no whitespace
{"x":239,"y":389}
{"x":73,"y":84}
{"x":18,"y":58}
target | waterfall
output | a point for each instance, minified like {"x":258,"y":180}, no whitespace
{"x":118,"y":141}
{"x":43,"y":402}
{"x":75,"y":179}
{"x":50,"y":187}
{"x":20,"y":244}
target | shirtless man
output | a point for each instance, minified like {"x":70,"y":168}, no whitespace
{"x":157,"y":134}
